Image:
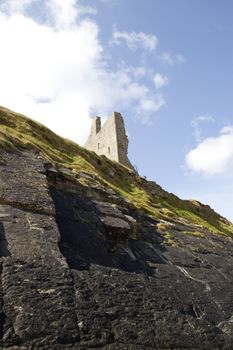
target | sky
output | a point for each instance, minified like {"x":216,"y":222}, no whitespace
{"x":165,"y":65}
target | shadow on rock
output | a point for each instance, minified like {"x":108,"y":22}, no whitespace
{"x":3,"y":242}
{"x":88,"y":235}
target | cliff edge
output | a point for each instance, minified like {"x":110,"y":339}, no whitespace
{"x":94,"y":256}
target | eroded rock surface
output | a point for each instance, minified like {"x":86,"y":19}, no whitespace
{"x":82,"y":269}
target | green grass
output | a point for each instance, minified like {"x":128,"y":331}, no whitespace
{"x":169,"y":238}
{"x":19,"y":132}
{"x":161,"y":226}
{"x":194,"y":233}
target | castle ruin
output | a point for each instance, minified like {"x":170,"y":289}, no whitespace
{"x":110,"y":139}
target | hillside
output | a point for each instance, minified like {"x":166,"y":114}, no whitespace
{"x":95,"y":256}
{"x":19,"y":132}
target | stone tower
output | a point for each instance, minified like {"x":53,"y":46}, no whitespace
{"x":110,"y":139}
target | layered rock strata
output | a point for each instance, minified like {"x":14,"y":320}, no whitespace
{"x":81,"y":268}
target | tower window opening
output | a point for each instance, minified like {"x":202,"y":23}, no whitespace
{"x":98,"y":146}
{"x":109,"y":151}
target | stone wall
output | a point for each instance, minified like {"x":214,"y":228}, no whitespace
{"x":110,"y":139}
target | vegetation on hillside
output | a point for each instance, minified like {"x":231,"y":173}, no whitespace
{"x":19,"y":132}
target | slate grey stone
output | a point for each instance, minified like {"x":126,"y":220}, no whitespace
{"x":66,"y":283}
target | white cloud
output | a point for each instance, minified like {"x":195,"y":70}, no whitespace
{"x":64,"y":13}
{"x":135,"y":40}
{"x":40,"y":63}
{"x":138,"y":72}
{"x":56,"y":72}
{"x":213,"y":155}
{"x":148,"y":106}
{"x":160,"y":80}
{"x":152,"y":105}
{"x":172,"y":59}
{"x":14,"y":6}
{"x":196,"y":125}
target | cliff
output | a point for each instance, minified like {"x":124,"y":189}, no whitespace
{"x":94,"y":256}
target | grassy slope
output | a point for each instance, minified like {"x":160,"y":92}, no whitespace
{"x":17,"y":131}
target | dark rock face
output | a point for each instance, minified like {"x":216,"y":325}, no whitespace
{"x":82,"y":269}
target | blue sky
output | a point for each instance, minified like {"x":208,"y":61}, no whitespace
{"x":166,"y":65}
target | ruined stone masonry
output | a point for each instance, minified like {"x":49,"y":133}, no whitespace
{"x":110,"y":139}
